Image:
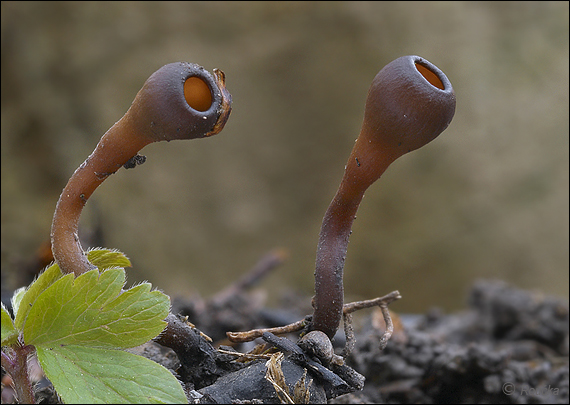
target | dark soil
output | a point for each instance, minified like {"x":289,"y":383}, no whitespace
{"x":509,"y":346}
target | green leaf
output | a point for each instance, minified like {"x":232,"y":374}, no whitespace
{"x":74,"y":322}
{"x":93,"y":310}
{"x":9,"y":332}
{"x":47,"y":278}
{"x":90,"y":375}
{"x":106,"y":258}
{"x":17,"y":298}
{"x":102,"y":258}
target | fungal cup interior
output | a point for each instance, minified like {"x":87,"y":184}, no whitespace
{"x":430,"y":76}
{"x":197,"y":94}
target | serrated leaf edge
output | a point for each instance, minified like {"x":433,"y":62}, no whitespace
{"x":133,"y":296}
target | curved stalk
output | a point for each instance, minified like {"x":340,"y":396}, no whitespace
{"x":179,"y":101}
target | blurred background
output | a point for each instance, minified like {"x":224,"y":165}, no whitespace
{"x":488,"y":198}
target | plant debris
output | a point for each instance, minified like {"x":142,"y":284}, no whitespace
{"x":508,"y":346}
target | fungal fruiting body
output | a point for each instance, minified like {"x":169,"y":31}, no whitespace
{"x":179,"y":101}
{"x":410,"y":102}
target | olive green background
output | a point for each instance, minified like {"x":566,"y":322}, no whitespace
{"x":487,"y":199}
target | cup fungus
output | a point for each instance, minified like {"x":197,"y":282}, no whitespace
{"x":179,"y":101}
{"x":410,"y":102}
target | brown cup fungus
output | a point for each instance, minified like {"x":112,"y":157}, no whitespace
{"x":410,"y":102}
{"x":179,"y":101}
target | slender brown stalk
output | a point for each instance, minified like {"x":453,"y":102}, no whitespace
{"x":178,"y":101}
{"x":410,"y":102}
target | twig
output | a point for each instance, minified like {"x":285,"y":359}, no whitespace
{"x":389,"y":327}
{"x":245,"y":356}
{"x":241,"y":337}
{"x":267,"y":263}
{"x":297,"y":355}
{"x":349,"y":334}
{"x":381,"y":302}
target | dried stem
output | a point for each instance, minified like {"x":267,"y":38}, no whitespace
{"x":241,"y":337}
{"x":349,"y":334}
{"x":245,"y":356}
{"x":381,"y":301}
{"x":267,"y":263}
{"x":389,"y":327}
